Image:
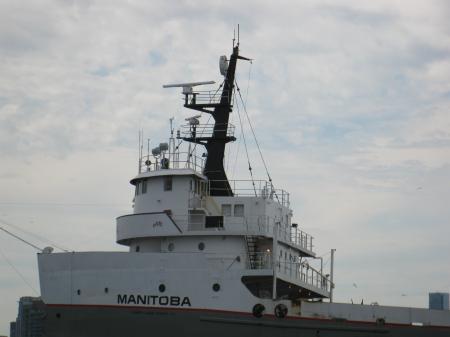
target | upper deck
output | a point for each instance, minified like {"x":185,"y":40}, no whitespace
{"x":175,"y":160}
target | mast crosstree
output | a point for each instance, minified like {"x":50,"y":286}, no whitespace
{"x":220,"y":110}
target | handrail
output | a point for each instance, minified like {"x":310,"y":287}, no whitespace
{"x":303,"y":273}
{"x":260,"y":260}
{"x":182,"y":160}
{"x":255,"y":225}
{"x":204,"y":97}
{"x":206,"y":130}
{"x":298,"y":271}
{"x":256,"y":188}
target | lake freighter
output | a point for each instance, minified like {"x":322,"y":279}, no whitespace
{"x":209,"y":257}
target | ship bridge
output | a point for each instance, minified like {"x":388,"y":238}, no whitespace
{"x":185,"y":201}
{"x":175,"y":201}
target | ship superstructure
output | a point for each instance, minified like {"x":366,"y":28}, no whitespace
{"x":207,"y":255}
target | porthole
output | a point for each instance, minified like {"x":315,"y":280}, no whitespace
{"x":106,"y":290}
{"x":201,"y":246}
{"x":162,"y":288}
{"x":79,"y":292}
{"x":171,"y":247}
{"x":216,"y":287}
{"x":258,"y":310}
{"x":138,"y":248}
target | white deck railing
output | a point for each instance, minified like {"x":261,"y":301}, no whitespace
{"x":177,"y":160}
{"x":257,"y":188}
{"x":303,"y":273}
{"x":206,"y":130}
{"x":260,"y":260}
{"x":253,"y":225}
{"x":298,"y":272}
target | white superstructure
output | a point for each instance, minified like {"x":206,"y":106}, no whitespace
{"x":199,"y":242}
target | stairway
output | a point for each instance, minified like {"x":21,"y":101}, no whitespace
{"x":251,"y":250}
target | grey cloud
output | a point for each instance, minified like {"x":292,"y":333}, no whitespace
{"x":352,"y":99}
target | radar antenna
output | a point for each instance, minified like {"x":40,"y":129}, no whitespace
{"x":187,"y":87}
{"x":219,"y":108}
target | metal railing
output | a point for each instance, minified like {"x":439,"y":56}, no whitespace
{"x":296,"y":236}
{"x":264,"y":225}
{"x":204,"y":97}
{"x":257,"y":188}
{"x":304,"y":273}
{"x":178,"y":160}
{"x":252,"y":225}
{"x":206,"y":130}
{"x":260,"y":260}
{"x":296,"y":271}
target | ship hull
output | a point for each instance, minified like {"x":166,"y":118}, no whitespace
{"x":111,"y":321}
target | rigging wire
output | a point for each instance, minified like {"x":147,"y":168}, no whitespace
{"x":237,"y":155}
{"x":256,"y":141}
{"x":40,"y":238}
{"x":20,"y":239}
{"x":246,"y":97}
{"x":254,"y":135}
{"x":248,"y":81}
{"x":18,"y":272}
{"x":246,"y":150}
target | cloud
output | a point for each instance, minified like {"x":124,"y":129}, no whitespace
{"x":349,"y":102}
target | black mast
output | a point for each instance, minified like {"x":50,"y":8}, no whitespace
{"x":215,"y":144}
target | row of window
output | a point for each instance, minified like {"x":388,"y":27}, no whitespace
{"x":197,"y":186}
{"x":171,"y":247}
{"x":237,"y":210}
{"x":141,"y":186}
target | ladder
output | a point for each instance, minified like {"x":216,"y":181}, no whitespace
{"x":251,"y":250}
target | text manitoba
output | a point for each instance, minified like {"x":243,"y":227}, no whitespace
{"x":154,"y":300}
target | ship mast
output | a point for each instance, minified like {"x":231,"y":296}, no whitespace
{"x":215,"y":146}
{"x":220,"y":110}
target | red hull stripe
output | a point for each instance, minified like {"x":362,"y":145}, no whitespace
{"x":230,"y":312}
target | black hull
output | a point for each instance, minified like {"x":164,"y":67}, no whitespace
{"x":89,"y":321}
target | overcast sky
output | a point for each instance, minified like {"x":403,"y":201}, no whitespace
{"x":349,"y":99}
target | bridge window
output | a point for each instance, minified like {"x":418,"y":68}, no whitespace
{"x":168,"y":183}
{"x":239,"y":210}
{"x":137,"y":189}
{"x":144,"y":186}
{"x":196,"y":220}
{"x":226,"y":210}
{"x":212,"y":221}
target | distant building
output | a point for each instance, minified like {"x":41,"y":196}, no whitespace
{"x":12,"y":329}
{"x":29,"y":321}
{"x":439,"y":301}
